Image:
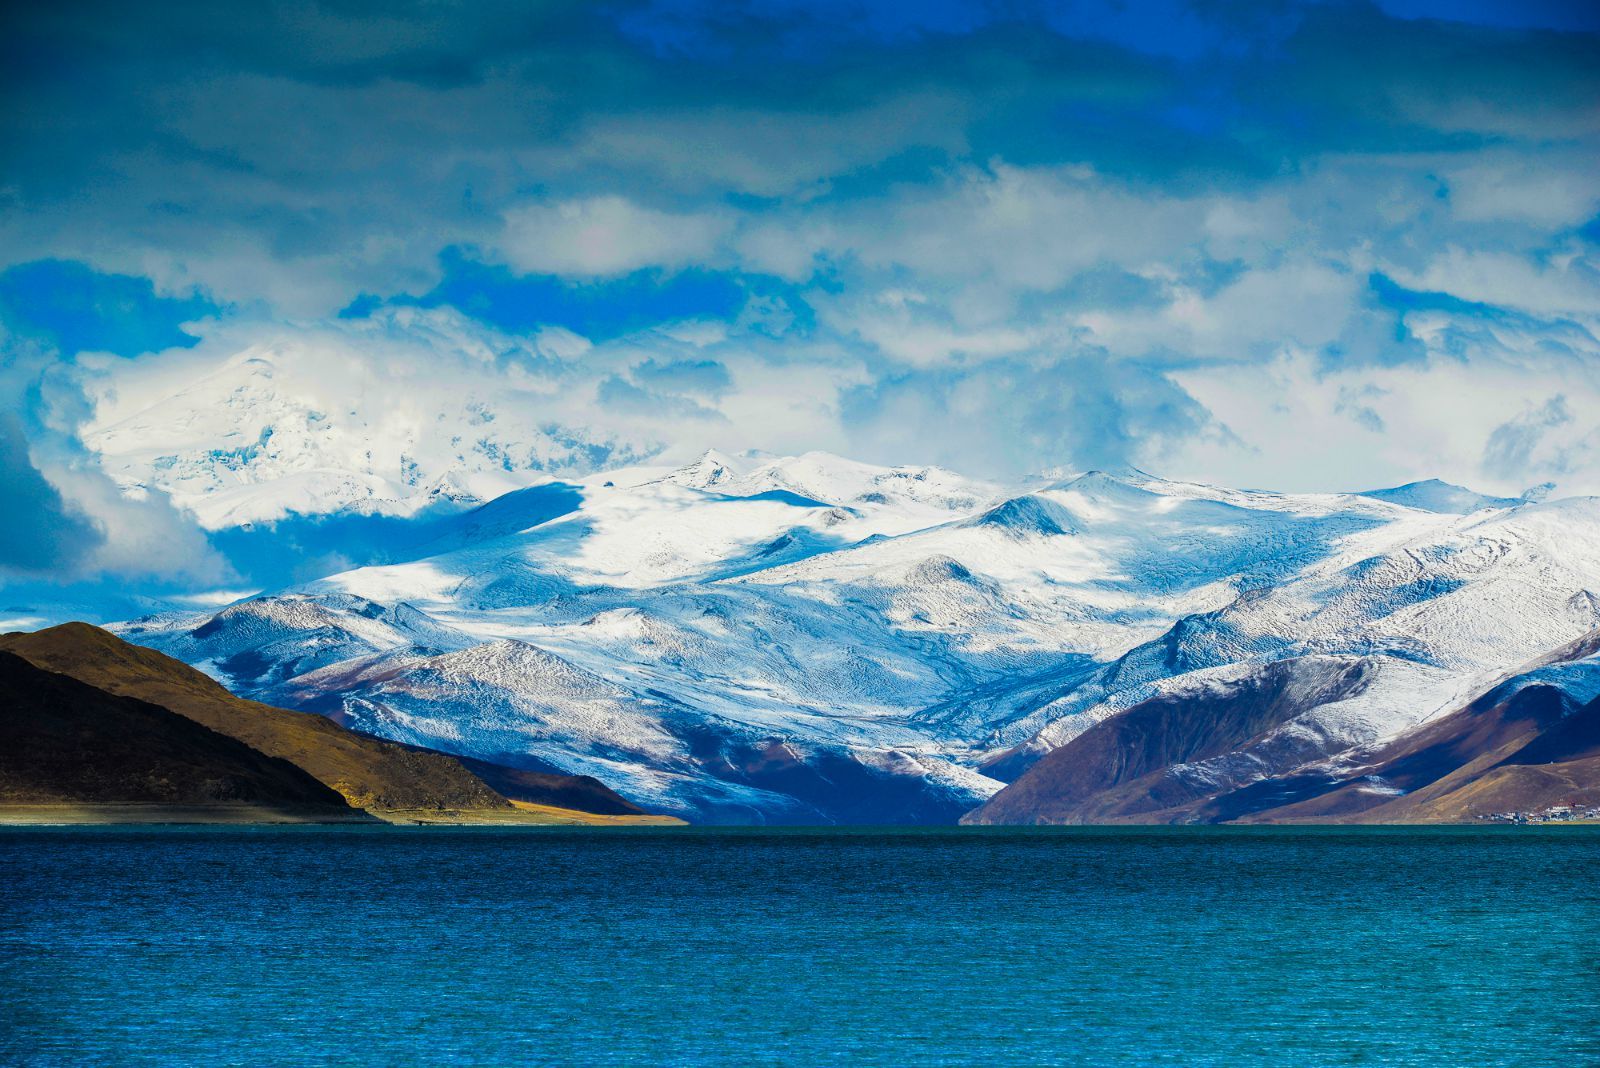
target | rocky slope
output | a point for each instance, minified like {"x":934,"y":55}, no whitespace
{"x":1529,"y":742}
{"x":1165,"y":757}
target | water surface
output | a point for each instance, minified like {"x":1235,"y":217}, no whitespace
{"x":985,"y":945}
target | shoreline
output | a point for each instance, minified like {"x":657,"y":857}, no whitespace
{"x":524,"y":814}
{"x":82,"y":814}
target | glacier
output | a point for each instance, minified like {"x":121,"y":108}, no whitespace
{"x":812,"y":639}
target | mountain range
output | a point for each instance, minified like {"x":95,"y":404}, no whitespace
{"x":812,"y":639}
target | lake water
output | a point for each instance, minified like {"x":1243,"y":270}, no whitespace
{"x":986,"y":946}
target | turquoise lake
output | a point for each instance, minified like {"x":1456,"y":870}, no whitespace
{"x":1459,"y":946}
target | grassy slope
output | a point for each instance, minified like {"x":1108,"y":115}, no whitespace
{"x":66,"y":744}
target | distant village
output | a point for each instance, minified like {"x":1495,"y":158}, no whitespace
{"x":1553,"y":814}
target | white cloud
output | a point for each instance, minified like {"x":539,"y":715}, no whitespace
{"x":1300,"y":427}
{"x":607,"y":236}
{"x":1028,"y":228}
{"x":143,"y":535}
{"x":768,"y":152}
{"x":1556,"y":190}
{"x":264,"y":418}
{"x":1565,"y":285}
{"x":911,"y":328}
{"x":363,"y":411}
{"x":1301,"y":303}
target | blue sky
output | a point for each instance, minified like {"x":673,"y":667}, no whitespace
{"x":1310,"y":245}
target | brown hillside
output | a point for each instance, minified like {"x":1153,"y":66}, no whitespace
{"x":1523,"y":746}
{"x":368,"y":772}
{"x":66,"y":743}
{"x":1119,"y":770}
{"x":584,"y":793}
{"x":1521,"y":754}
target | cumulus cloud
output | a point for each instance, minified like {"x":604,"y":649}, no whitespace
{"x":1557,"y":190}
{"x":766,"y":152}
{"x":1502,"y":422}
{"x":143,"y":535}
{"x":1299,"y":304}
{"x":606,"y":236}
{"x":692,"y":376}
{"x":1030,"y":228}
{"x":1514,"y":447}
{"x":1562,"y":285}
{"x":404,"y":398}
{"x":67,"y":521}
{"x":42,"y":532}
{"x":919,"y":330}
{"x":1086,"y":412}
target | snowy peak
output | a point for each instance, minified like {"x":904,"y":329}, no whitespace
{"x":1130,"y":484}
{"x":842,"y":481}
{"x":513,"y":513}
{"x":267,"y":640}
{"x":937,"y":569}
{"x":823,"y":478}
{"x":713,"y":470}
{"x":1030,"y":515}
{"x":1432,"y":495}
{"x":516,"y":665}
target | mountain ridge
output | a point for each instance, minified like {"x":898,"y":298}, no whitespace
{"x":723,"y":639}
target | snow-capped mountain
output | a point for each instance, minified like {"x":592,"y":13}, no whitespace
{"x":1527,"y":744}
{"x":811,"y":638}
{"x":1432,"y":495}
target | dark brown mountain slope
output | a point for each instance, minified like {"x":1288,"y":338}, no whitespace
{"x":370,"y":773}
{"x":1122,"y":770}
{"x":63,"y":742}
{"x":1523,"y":746}
{"x":585,"y":793}
{"x":1519,"y":753}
